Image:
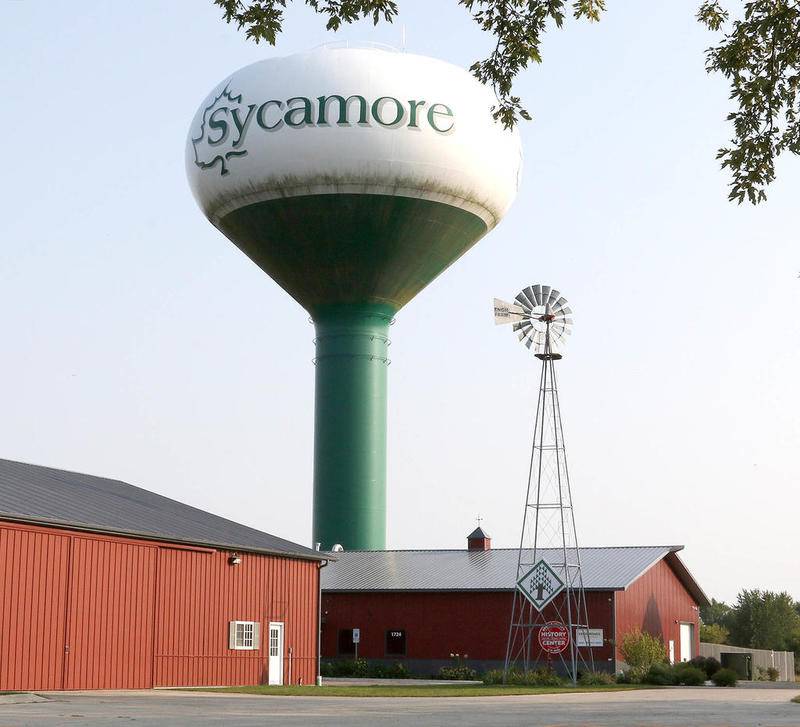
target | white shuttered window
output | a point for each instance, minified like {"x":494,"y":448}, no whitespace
{"x":244,"y":635}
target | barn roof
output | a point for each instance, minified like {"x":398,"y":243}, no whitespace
{"x":42,"y":495}
{"x":604,"y":569}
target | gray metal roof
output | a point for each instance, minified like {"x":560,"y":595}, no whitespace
{"x":31,"y":493}
{"x":612,"y":568}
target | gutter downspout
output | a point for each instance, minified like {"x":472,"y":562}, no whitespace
{"x":614,"y":629}
{"x":322,"y":564}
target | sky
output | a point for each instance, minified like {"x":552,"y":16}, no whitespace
{"x":140,"y":344}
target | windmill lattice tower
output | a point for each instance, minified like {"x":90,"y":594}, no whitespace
{"x":542,"y":319}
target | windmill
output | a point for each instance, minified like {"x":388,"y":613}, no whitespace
{"x":549,"y":618}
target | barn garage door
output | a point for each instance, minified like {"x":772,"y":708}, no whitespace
{"x":33,"y":596}
{"x":110,"y":616}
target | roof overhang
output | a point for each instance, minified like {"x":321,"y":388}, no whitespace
{"x":686,"y":578}
{"x":88,"y":528}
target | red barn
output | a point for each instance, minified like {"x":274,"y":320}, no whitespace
{"x":104,"y":585}
{"x":421,"y":606}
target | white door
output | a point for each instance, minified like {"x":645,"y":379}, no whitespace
{"x":275,"y":666}
{"x":687,"y":641}
{"x":671,"y":651}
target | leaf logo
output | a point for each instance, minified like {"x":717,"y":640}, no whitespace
{"x":216,"y":144}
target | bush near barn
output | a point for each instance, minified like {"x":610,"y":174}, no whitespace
{"x":361,"y":668}
{"x":595,"y":678}
{"x":458,"y":670}
{"x":725,"y":678}
{"x":708,"y":664}
{"x":640,"y":651}
{"x":536,"y":678}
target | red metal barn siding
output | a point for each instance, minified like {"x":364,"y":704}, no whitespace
{"x":136,"y":613}
{"x":110,"y":615}
{"x":33,"y":595}
{"x":440,"y":623}
{"x":657,"y":602}
{"x":200,"y":593}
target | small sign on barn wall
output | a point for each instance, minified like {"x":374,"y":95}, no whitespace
{"x":588,"y":637}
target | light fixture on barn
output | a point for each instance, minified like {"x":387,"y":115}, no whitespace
{"x":549,"y":618}
{"x":235,"y":559}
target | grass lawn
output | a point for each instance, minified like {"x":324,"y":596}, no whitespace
{"x":466,"y":690}
{"x":797,"y":699}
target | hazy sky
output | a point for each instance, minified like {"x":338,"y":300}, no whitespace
{"x":138,"y":343}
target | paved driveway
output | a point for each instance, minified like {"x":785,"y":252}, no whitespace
{"x":705,"y":707}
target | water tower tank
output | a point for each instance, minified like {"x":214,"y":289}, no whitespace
{"x":353,"y":177}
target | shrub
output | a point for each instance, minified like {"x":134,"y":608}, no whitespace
{"x":689,"y":675}
{"x":725,"y":678}
{"x":458,"y":672}
{"x":772,"y":674}
{"x":593,"y":678}
{"x":641,"y":650}
{"x":345,"y":668}
{"x":707,"y":663}
{"x":624,"y":677}
{"x":714,"y":634}
{"x":768,"y":674}
{"x":544,"y":677}
{"x":662,"y":675}
{"x":493,"y":676}
{"x":398,"y":670}
{"x":537,"y":678}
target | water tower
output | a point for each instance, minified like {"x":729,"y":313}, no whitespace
{"x":353,"y":177}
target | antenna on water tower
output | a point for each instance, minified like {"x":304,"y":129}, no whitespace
{"x":549,"y":617}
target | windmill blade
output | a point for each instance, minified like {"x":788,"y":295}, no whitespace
{"x":545,"y":294}
{"x":523,"y":301}
{"x":536,"y":290}
{"x":560,"y":303}
{"x":507,"y":312}
{"x":527,"y":294}
{"x":531,"y":293}
{"x":553,"y":297}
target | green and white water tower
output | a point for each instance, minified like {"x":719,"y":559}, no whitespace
{"x":353,"y":177}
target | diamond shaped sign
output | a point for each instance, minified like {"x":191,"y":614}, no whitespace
{"x":540,"y":585}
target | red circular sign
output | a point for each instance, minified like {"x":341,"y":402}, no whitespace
{"x":554,"y":637}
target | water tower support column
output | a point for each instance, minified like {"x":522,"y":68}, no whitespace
{"x":350,"y":425}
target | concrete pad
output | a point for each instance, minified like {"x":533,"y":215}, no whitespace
{"x":21,"y":698}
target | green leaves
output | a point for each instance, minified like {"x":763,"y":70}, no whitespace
{"x":263,"y":19}
{"x":760,"y":56}
{"x":517,"y":26}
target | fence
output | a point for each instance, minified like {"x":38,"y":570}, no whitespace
{"x":783,"y":661}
